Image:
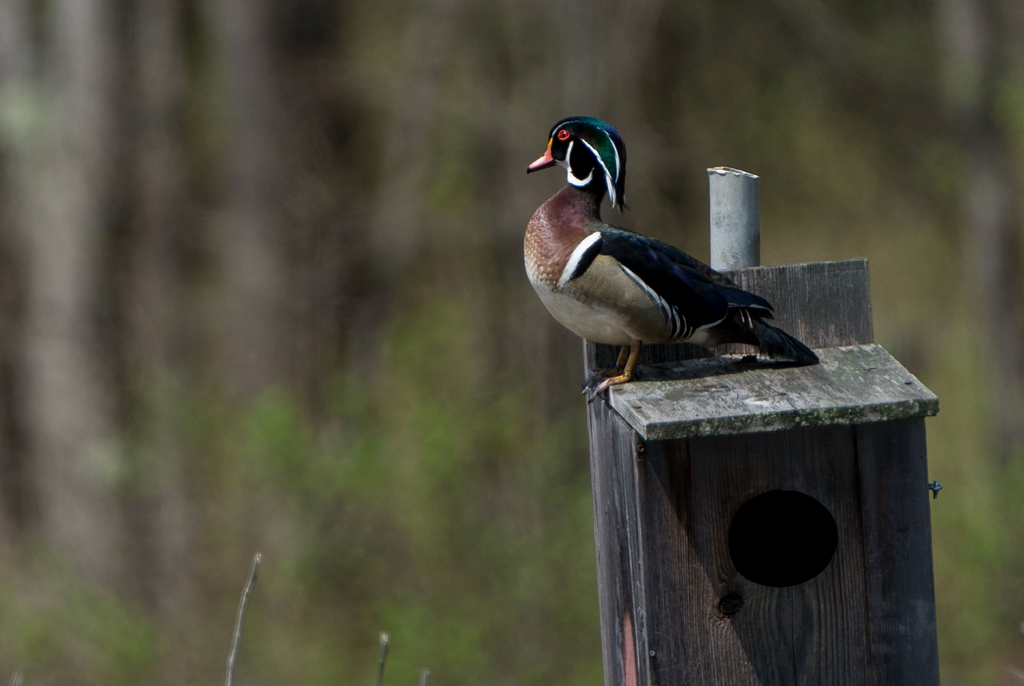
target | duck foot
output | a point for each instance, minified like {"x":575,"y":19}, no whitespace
{"x":608,"y":373}
{"x":600,"y":381}
{"x":598,"y":389}
{"x":597,"y":375}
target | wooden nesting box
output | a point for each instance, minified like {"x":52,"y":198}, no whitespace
{"x":759,"y":524}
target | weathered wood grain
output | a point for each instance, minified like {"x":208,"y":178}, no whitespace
{"x":894,"y":505}
{"x":824,"y":304}
{"x":718,"y":627}
{"x":718,"y":396}
{"x":617,"y":535}
{"x":868,"y":618}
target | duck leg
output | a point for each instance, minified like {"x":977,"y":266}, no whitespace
{"x":633,"y":357}
{"x":607,"y":373}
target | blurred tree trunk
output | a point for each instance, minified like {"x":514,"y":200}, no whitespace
{"x":69,"y":405}
{"x":154,"y":299}
{"x":396,"y":232}
{"x":972,"y":71}
{"x":252,"y":304}
{"x":398,"y":219}
{"x":15,"y":101}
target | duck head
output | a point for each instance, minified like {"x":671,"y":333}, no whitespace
{"x":592,"y":153}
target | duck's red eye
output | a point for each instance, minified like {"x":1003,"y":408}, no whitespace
{"x":563,"y":135}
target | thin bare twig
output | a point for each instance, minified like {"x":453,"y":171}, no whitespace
{"x":233,"y":655}
{"x":384,"y":641}
{"x":424,"y":677}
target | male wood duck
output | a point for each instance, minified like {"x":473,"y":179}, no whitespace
{"x":611,"y":285}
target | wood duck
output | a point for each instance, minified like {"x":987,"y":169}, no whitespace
{"x":611,"y":285}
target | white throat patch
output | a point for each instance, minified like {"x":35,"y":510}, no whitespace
{"x":569,"y":176}
{"x":580,"y":183}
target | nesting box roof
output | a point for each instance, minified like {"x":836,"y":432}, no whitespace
{"x":721,"y":395}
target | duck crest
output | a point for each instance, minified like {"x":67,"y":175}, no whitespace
{"x":555,"y":229}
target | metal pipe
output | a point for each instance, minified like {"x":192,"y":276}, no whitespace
{"x":735,"y":218}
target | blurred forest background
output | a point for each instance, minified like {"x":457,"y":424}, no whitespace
{"x":261,"y":288}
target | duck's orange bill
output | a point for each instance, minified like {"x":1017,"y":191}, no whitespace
{"x":542,"y":162}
